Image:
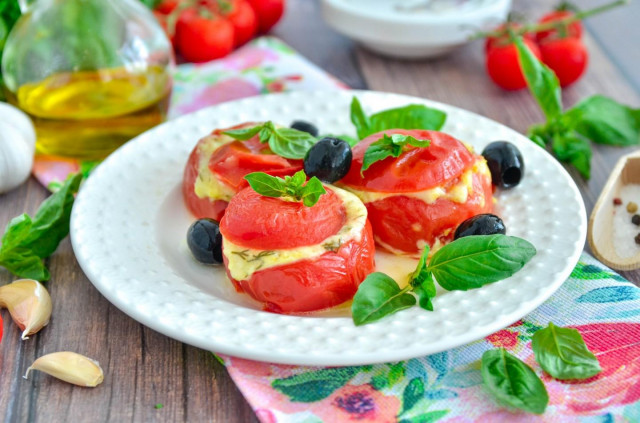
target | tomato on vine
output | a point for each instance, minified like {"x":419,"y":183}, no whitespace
{"x":244,"y":21}
{"x":202,"y":36}
{"x":268,"y":12}
{"x":504,"y":67}
{"x":572,"y":30}
{"x":567,"y":57}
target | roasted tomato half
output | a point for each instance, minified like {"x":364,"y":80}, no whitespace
{"x":217,"y":166}
{"x":422,"y":195}
{"x":294,"y":258}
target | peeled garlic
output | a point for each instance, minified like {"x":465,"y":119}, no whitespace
{"x":29,"y":304}
{"x":70,"y":367}
{"x":17,"y":146}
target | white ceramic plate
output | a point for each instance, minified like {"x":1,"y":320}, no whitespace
{"x":129,"y":224}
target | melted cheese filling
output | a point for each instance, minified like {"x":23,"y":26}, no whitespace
{"x":244,"y":262}
{"x":458,"y":193}
{"x":207,"y":185}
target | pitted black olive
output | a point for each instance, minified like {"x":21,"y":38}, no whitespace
{"x":329,"y":159}
{"x":482,"y":224}
{"x":205,"y":241}
{"x":304,"y":126}
{"x":505,"y":163}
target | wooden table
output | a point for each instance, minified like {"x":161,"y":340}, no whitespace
{"x":144,"y":368}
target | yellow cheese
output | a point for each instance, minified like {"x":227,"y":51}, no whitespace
{"x":207,"y":185}
{"x":243,"y":262}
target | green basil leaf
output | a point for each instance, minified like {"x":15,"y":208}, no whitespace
{"x":291,"y":143}
{"x":541,"y":80}
{"x":605,"y":121}
{"x":421,"y":272}
{"x":24,"y":264}
{"x":413,"y":116}
{"x":17,"y":229}
{"x":359,"y":119}
{"x":562,"y":353}
{"x":426,"y":292}
{"x":298,"y":179}
{"x":378,"y":296}
{"x":474,"y":261}
{"x":512,"y":382}
{"x":267,"y":185}
{"x":244,"y":134}
{"x":570,"y":148}
{"x":312,"y":191}
{"x":389,"y":146}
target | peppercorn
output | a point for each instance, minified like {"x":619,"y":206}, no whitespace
{"x":636,"y":219}
{"x":617,"y":202}
{"x":632,"y":207}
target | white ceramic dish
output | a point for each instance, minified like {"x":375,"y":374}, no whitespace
{"x":413,"y":28}
{"x":129,"y":224}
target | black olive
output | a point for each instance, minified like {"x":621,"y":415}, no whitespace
{"x":205,"y":241}
{"x":304,"y":126}
{"x":482,"y":224}
{"x":505,"y":163}
{"x":329,"y":159}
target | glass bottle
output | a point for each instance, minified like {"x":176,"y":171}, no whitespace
{"x":92,"y":74}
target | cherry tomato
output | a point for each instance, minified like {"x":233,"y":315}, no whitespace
{"x":166,"y":6}
{"x":503,"y":66}
{"x":567,"y":57}
{"x":504,"y":40}
{"x":200,"y":39}
{"x":268,"y":12}
{"x":244,"y":21}
{"x":573,"y":30}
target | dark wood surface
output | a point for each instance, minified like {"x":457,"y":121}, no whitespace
{"x":144,"y":368}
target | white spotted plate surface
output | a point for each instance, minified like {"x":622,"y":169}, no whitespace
{"x":129,"y":224}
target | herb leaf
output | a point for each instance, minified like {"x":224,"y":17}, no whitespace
{"x":359,"y":119}
{"x":512,"y":382}
{"x":292,"y":187}
{"x":562,"y":353}
{"x":422,"y":282}
{"x":27,"y":241}
{"x":605,"y":121}
{"x":378,"y":296}
{"x":389,"y":146}
{"x":286,"y":142}
{"x":570,"y":147}
{"x":474,"y":261}
{"x":541,"y":80}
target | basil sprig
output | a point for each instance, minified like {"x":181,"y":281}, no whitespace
{"x":27,"y":240}
{"x":389,"y":146}
{"x":413,"y":116}
{"x":597,"y":118}
{"x":291,"y":187}
{"x":512,"y":382}
{"x":466,"y":263}
{"x":562,"y":353}
{"x":286,"y":142}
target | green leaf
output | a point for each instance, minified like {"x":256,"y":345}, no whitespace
{"x":562,"y":353}
{"x":512,"y":382}
{"x":541,"y":80}
{"x":413,"y":116}
{"x":244,"y":134}
{"x":570,"y":148}
{"x":413,"y":392}
{"x":397,"y":372}
{"x":389,"y":146}
{"x":359,"y":119}
{"x":267,"y":185}
{"x":17,"y":229}
{"x":316,"y":385}
{"x":378,"y":296}
{"x":474,"y":261}
{"x":422,"y":282}
{"x":312,"y":191}
{"x":605,"y":121}
{"x":23,"y":263}
{"x":291,"y":143}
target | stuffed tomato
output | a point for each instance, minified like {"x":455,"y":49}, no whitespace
{"x":421,"y":196}
{"x":217,"y":166}
{"x":294,"y":258}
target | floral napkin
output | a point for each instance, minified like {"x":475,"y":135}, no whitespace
{"x":444,"y":387}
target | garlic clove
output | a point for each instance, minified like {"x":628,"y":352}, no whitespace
{"x":70,"y":367}
{"x":29,"y":304}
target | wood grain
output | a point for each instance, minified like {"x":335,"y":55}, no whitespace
{"x":143,"y":368}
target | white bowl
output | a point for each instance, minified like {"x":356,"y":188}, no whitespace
{"x":413,"y":28}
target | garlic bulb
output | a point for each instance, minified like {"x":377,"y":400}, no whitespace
{"x":17,"y":146}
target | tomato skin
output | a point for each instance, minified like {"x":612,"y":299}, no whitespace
{"x":244,"y":21}
{"x":503,"y":66}
{"x":200,"y":39}
{"x":199,"y":207}
{"x":268,"y":13}
{"x":502,"y":41}
{"x":574,"y":29}
{"x":313,"y":284}
{"x":401,"y":222}
{"x":416,"y":169}
{"x":567,"y":57}
{"x":264,"y":223}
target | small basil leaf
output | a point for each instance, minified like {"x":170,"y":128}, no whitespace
{"x":413,"y":116}
{"x":421,"y":272}
{"x":267,"y":185}
{"x":291,"y":143}
{"x":562,"y":353}
{"x":23,"y":263}
{"x":378,"y":296}
{"x":605,"y":121}
{"x":474,"y":261}
{"x":244,"y":134}
{"x":17,"y":229}
{"x":312,"y":191}
{"x":426,"y":292}
{"x":512,"y":382}
{"x":541,"y":80}
{"x":359,"y":119}
{"x":298,"y":178}
{"x":389,"y":146}
{"x":573,"y":149}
